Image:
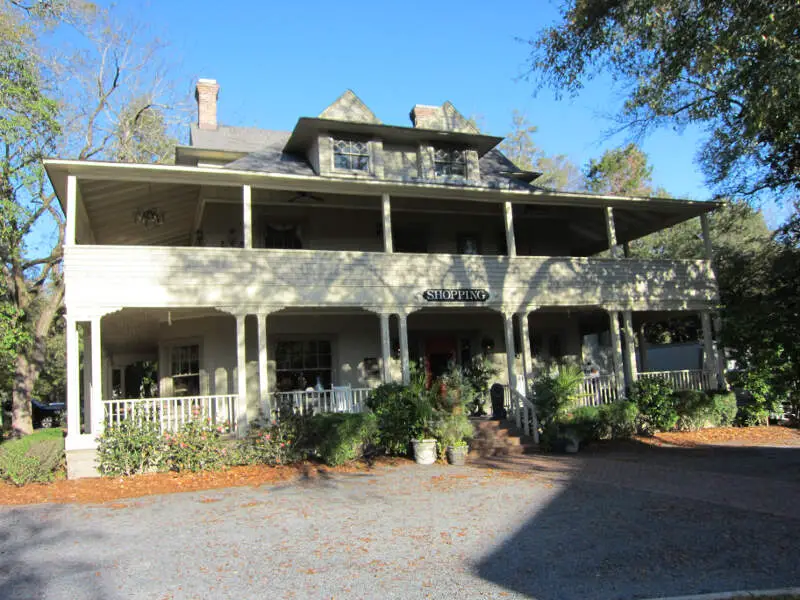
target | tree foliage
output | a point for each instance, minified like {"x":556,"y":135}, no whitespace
{"x":105,"y":98}
{"x":621,"y":171}
{"x":761,"y":311}
{"x":558,"y":171}
{"x":732,"y":67}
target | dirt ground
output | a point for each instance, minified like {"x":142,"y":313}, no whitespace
{"x":100,"y":490}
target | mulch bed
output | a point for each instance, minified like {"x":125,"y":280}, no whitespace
{"x":107,"y":489}
{"x":774,"y":435}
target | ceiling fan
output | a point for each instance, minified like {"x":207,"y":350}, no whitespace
{"x":305,"y":198}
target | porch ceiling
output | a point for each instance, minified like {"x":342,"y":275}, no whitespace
{"x":111,"y":207}
{"x":138,"y":329}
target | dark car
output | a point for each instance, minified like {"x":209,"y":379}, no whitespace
{"x":47,"y":415}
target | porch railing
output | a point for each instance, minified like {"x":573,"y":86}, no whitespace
{"x":695,"y":379}
{"x":173,"y":412}
{"x":337,"y":400}
{"x":598,"y":390}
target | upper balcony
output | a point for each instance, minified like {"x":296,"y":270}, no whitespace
{"x":186,"y":236}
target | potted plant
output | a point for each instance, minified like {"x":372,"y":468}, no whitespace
{"x":422,"y":431}
{"x":453,"y":431}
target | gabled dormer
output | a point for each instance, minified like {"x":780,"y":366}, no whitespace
{"x":347,"y":140}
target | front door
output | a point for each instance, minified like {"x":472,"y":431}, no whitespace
{"x":440,"y":354}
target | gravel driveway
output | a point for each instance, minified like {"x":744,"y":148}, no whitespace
{"x":613,"y":524}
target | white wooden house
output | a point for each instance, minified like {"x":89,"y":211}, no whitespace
{"x":264,"y":263}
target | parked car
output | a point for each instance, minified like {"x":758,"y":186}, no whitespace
{"x":47,"y":415}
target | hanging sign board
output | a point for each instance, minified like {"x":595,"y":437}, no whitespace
{"x":456,"y":295}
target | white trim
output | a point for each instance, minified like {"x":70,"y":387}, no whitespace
{"x":365,"y":187}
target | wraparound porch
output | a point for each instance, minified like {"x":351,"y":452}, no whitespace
{"x":231,"y":368}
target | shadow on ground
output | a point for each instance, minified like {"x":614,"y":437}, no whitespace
{"x":639,"y":521}
{"x":33,"y":550}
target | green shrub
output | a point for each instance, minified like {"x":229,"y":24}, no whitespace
{"x":453,"y":430}
{"x":556,"y":392}
{"x":762,"y":398}
{"x":587,"y":423}
{"x":35,"y":458}
{"x":132,"y":446}
{"x":340,"y":438}
{"x":278,"y":444}
{"x":195,"y":447}
{"x":479,"y":372}
{"x":656,"y":402}
{"x":403,"y":413}
{"x":620,"y":418}
{"x":698,"y":410}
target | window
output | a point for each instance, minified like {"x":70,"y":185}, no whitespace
{"x":282,"y":237}
{"x":448,"y":162}
{"x":299,"y":364}
{"x":351,"y":155}
{"x":468,"y":243}
{"x":185,"y":369}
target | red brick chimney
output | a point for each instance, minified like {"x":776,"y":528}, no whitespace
{"x":206,"y":95}
{"x":427,"y":117}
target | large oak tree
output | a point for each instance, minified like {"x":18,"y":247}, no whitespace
{"x":729,"y":66}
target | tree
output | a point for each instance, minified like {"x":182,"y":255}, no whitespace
{"x":731,"y":67}
{"x":558,"y":172}
{"x":622,"y":172}
{"x":761,"y":312}
{"x":104,"y":101}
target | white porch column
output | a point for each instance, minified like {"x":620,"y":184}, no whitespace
{"x":247,"y":216}
{"x":709,"y":251}
{"x":73,"y":381}
{"x":241,"y":377}
{"x":616,"y":351}
{"x":386,"y":350}
{"x":402,"y":330}
{"x":722,"y":366}
{"x":263,"y":379}
{"x":72,"y":210}
{"x":710,"y":362}
{"x":386,"y":205}
{"x":631,"y":373}
{"x":611,"y":231}
{"x":508,"y":330}
{"x":525,"y":350}
{"x":508,"y":221}
{"x":86,"y":376}
{"x":97,"y":413}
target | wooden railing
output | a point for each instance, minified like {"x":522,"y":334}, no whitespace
{"x":337,"y":400}
{"x":172,"y":413}
{"x":598,"y":390}
{"x":695,"y":379}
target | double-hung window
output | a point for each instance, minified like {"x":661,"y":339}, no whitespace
{"x":185,"y":370}
{"x":448,"y":162}
{"x":351,"y":155}
{"x":301,"y":364}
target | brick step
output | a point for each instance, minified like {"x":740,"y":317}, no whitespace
{"x":503,"y":451}
{"x":496,"y":442}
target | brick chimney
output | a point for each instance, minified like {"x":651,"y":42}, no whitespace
{"x":427,"y":117}
{"x":206,"y":95}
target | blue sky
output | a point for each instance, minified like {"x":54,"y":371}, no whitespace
{"x":277,"y":61}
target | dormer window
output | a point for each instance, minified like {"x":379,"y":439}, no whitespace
{"x":448,"y":162}
{"x":351,"y":155}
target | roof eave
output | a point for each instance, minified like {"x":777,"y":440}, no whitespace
{"x":307,"y":127}
{"x":59,"y":169}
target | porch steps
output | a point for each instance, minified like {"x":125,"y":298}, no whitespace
{"x":499,"y":438}
{"x":82,"y":463}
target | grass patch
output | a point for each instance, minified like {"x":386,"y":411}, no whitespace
{"x":35,"y":458}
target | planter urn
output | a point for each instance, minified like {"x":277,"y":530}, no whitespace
{"x":457,"y":455}
{"x":424,"y":451}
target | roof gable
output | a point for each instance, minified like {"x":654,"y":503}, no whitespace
{"x":349,"y":107}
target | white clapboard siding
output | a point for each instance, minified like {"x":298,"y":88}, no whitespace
{"x":98,"y":276}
